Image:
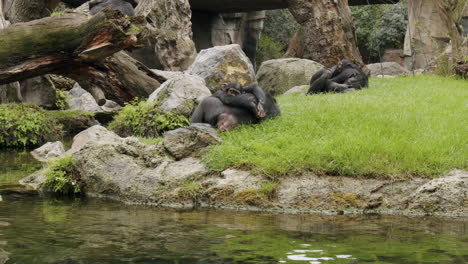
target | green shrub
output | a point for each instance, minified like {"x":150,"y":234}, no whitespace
{"x":26,"y":125}
{"x":61,"y":176}
{"x":144,"y":119}
{"x":61,"y":100}
{"x":190,"y":190}
{"x":268,"y":49}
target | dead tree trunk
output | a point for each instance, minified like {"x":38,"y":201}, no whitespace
{"x":75,"y":46}
{"x":327,"y":30}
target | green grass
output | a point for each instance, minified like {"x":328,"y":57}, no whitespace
{"x":398,"y":128}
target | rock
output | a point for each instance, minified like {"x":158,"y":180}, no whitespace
{"x":61,"y":82}
{"x":80,"y":99}
{"x":181,"y":94}
{"x":223,"y":64}
{"x":48,"y":150}
{"x":95,"y":133}
{"x":387,"y":69}
{"x":167,"y":74}
{"x":38,"y":90}
{"x":110,"y":106}
{"x":169,"y":35}
{"x":1,"y":199}
{"x":10,"y":93}
{"x":278,"y":76}
{"x":298,"y":89}
{"x":190,"y":141}
{"x":448,"y":194}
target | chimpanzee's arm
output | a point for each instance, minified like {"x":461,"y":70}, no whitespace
{"x":257,"y":91}
{"x":319,"y":82}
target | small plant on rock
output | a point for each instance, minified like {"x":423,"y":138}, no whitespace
{"x":61,"y":176}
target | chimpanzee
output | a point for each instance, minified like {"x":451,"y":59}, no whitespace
{"x":234,"y":94}
{"x":215,"y":112}
{"x":123,"y":6}
{"x":344,"y":77}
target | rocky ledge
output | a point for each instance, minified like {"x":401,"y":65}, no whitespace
{"x":171,"y":173}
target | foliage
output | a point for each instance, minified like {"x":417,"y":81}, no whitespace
{"x":268,"y":188}
{"x":26,"y":125}
{"x":60,"y":176}
{"x":280,"y":26}
{"x":398,"y":128}
{"x":380,"y":27}
{"x":61,"y":100}
{"x":141,"y":118}
{"x":267,"y":49}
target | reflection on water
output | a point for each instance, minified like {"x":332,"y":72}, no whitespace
{"x":51,"y":231}
{"x":15,"y":165}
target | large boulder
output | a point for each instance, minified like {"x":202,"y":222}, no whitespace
{"x":448,"y":194}
{"x":10,"y":93}
{"x":190,"y":141}
{"x":128,"y":170}
{"x":80,"y":99}
{"x":169,"y":38}
{"x":278,"y":76}
{"x":181,"y":94}
{"x":39,"y":90}
{"x":386,"y":69}
{"x":48,"y":150}
{"x":298,"y":89}
{"x":223,"y":64}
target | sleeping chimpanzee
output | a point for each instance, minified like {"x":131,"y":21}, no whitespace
{"x":123,"y":6}
{"x":344,"y":77}
{"x":233,"y":94}
{"x":214,"y":111}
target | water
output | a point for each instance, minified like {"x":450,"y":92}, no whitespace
{"x":34,"y":230}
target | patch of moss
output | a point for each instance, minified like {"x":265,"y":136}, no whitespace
{"x":145,"y":119}
{"x":347,"y":200}
{"x":190,"y":190}
{"x":268,"y":189}
{"x":220,"y":194}
{"x":61,"y":176}
{"x":251,"y":197}
{"x":150,"y":141}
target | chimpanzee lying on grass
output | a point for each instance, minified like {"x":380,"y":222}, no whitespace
{"x":344,"y":77}
{"x":234,"y":105}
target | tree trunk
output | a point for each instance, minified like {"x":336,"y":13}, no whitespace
{"x":327,"y":28}
{"x":75,"y":46}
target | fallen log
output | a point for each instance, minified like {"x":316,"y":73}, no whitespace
{"x":82,"y":48}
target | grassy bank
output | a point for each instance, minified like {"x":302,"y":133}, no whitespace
{"x":398,"y":128}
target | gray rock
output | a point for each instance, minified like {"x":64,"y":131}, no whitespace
{"x":48,"y":150}
{"x":387,"y":69}
{"x":277,"y":76}
{"x":190,"y":141}
{"x":80,"y":99}
{"x":38,"y":90}
{"x":169,"y":36}
{"x":10,"y":93}
{"x":181,"y":94}
{"x":298,"y":89}
{"x":98,"y":134}
{"x":110,"y":106}
{"x":223,"y":64}
{"x":447,"y":194}
{"x":167,"y":74}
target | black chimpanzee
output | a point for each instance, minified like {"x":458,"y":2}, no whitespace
{"x":344,"y":77}
{"x":214,"y":111}
{"x":234,"y":94}
{"x":123,"y":6}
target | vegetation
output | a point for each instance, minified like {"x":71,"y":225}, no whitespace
{"x":380,"y":27}
{"x":398,"y":128}
{"x":190,"y":190}
{"x":61,"y":100}
{"x":60,"y":176}
{"x":144,"y":119}
{"x":26,"y":125}
{"x":268,"y":49}
{"x":150,"y":141}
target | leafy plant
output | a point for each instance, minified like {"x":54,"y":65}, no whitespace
{"x":61,"y":100}
{"x":26,"y":125}
{"x":60,"y":176}
{"x":190,"y":190}
{"x":144,"y":119}
{"x":268,"y":49}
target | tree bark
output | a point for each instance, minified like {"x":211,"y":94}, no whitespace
{"x":327,"y":28}
{"x":75,"y":46}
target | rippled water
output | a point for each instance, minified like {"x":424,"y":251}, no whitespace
{"x":33,"y":230}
